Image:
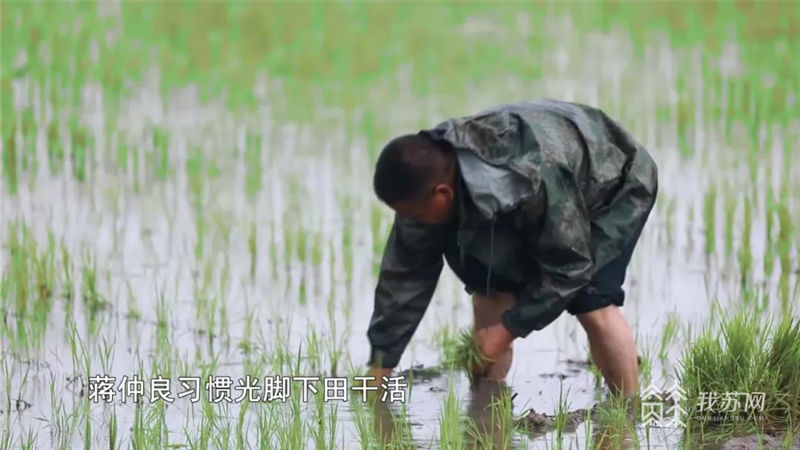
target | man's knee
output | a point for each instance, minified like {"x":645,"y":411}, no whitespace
{"x":600,"y":320}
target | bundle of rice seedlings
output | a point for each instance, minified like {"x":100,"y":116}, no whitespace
{"x":467,"y":356}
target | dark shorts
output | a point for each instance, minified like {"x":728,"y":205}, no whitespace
{"x":605,"y":287}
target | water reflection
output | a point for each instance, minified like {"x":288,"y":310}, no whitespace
{"x":391,"y":427}
{"x":490,"y":423}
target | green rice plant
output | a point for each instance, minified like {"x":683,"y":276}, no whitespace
{"x":313,"y":351}
{"x":28,"y":282}
{"x":497,"y":428}
{"x":669,"y":333}
{"x":451,"y":425}
{"x":401,"y":437}
{"x":10,"y":161}
{"x":670,"y":220}
{"x":784,"y":245}
{"x":360,"y":418}
{"x":254,"y":169}
{"x":241,"y":440}
{"x":29,"y":443}
{"x":105,"y":353}
{"x":783,"y":361}
{"x":690,"y":240}
{"x":139,"y":440}
{"x":466,"y":355}
{"x":709,"y":218}
{"x":29,"y":130}
{"x":615,"y":422}
{"x":82,"y":142}
{"x":335,"y":347}
{"x":113,"y":431}
{"x":293,"y":428}
{"x":323,"y":431}
{"x":200,"y":230}
{"x":595,"y":371}
{"x":93,"y":301}
{"x":67,"y":278}
{"x":246,"y":343}
{"x":87,"y":424}
{"x":222,"y":54}
{"x":745,"y":252}
{"x":266,"y":425}
{"x":133,"y":308}
{"x":253,"y":250}
{"x":730,"y":211}
{"x":159,"y":158}
{"x":63,"y":423}
{"x":770,"y":208}
{"x":747,"y":356}
{"x":561,"y":415}
{"x":645,"y":362}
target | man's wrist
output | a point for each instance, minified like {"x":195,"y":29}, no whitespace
{"x":509,"y":334}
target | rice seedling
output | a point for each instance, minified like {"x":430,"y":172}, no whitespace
{"x":784,"y":246}
{"x":748,"y":357}
{"x":667,"y":336}
{"x":645,"y":362}
{"x":745,"y":252}
{"x":615,"y":423}
{"x":451,"y":423}
{"x":730,"y":211}
{"x":464,"y":354}
{"x":709,"y":219}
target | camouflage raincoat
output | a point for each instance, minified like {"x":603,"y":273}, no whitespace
{"x":554,"y":190}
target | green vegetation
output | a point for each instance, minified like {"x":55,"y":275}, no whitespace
{"x":466,"y":355}
{"x":751,"y":357}
{"x":185,"y":191}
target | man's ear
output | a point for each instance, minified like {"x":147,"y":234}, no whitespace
{"x":445,"y":190}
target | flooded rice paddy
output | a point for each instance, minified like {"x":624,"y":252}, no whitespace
{"x":183,"y":203}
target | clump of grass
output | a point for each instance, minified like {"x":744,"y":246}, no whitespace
{"x":465,"y":354}
{"x":746,"y":356}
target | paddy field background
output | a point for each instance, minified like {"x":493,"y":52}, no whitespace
{"x":186,"y":191}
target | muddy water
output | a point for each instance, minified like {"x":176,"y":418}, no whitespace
{"x":143,"y":245}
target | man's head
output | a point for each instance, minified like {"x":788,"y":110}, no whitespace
{"x":416,"y":177}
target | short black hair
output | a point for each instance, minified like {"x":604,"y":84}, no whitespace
{"x":409,"y":166}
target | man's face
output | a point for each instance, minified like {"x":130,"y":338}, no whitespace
{"x":435,"y":209}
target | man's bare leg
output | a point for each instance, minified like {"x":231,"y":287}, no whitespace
{"x":613,"y":348}
{"x":488,"y":311}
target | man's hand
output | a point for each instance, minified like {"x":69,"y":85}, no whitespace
{"x":493,"y":342}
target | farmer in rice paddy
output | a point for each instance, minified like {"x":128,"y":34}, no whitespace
{"x":536,"y":207}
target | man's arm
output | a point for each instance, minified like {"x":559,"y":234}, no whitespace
{"x":410,"y":269}
{"x":562,"y":253}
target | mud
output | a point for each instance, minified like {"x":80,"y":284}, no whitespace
{"x":760,"y":441}
{"x":421,"y":373}
{"x":540,"y":423}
